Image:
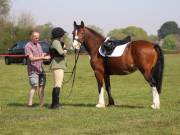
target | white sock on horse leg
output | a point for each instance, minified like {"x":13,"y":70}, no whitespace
{"x":156,"y":100}
{"x":101,"y":102}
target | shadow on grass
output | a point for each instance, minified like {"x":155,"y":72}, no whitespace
{"x":48,"y":105}
{"x":17,"y":104}
{"x":94,"y":106}
{"x":130,"y":106}
{"x":76,"y":105}
{"x":24,"y":105}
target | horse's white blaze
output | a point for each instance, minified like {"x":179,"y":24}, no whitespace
{"x":156,"y":100}
{"x":76,"y":44}
{"x":101,"y":102}
{"x":76,"y":37}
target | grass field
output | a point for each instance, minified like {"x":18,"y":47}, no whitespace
{"x":132,"y":114}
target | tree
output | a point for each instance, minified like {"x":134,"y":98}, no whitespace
{"x":5,"y":26}
{"x":25,"y":20}
{"x":167,"y":28}
{"x":12,"y":32}
{"x":7,"y":37}
{"x":169,"y":42}
{"x":97,"y":29}
{"x":153,"y":38}
{"x":117,"y":33}
{"x":178,"y":42}
{"x":25,"y":24}
{"x":133,"y":31}
{"x":45,"y":31}
{"x":4,"y":8}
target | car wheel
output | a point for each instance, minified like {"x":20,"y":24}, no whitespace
{"x":24,"y":61}
{"x":7,"y":61}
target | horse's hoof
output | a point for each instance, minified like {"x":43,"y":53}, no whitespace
{"x":100,"y":106}
{"x":153,"y":106}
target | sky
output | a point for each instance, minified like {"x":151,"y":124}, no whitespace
{"x":106,"y":14}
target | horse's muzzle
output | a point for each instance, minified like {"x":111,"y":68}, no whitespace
{"x":76,"y":44}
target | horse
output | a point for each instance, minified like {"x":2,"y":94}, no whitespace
{"x":139,"y":55}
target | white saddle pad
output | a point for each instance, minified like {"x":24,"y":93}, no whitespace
{"x":118,"y":51}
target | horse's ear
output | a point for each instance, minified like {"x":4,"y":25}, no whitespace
{"x":75,"y":24}
{"x":82,"y":23}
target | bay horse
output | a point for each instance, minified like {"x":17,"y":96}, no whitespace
{"x":139,"y":55}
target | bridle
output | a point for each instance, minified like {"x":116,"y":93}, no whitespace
{"x":76,"y":39}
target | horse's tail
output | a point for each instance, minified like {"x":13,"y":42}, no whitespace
{"x":159,"y":68}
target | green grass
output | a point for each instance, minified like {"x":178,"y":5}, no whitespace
{"x":132,"y":114}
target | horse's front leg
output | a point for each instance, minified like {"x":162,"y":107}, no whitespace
{"x":101,"y":101}
{"x":108,"y":89}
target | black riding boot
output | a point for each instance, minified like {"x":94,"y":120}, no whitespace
{"x":55,"y":98}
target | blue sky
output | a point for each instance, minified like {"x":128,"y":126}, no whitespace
{"x":106,"y":14}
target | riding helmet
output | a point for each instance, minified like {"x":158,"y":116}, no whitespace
{"x":57,"y":32}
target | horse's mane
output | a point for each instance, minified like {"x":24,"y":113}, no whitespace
{"x":94,"y":32}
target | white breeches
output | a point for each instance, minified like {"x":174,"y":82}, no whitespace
{"x":58,"y":75}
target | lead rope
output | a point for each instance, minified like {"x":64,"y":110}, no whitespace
{"x":73,"y":73}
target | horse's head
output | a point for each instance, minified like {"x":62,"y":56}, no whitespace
{"x":78,"y":35}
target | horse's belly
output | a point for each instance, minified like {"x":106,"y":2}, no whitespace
{"x":121,"y":67}
{"x":121,"y":71}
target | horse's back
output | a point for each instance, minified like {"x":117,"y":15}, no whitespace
{"x":141,"y":44}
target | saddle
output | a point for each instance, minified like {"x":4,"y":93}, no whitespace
{"x":110,"y":44}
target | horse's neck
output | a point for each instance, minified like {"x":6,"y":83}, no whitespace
{"x":92,"y":43}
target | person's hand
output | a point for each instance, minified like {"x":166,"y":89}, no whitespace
{"x":64,"y":47}
{"x":44,"y":54}
{"x":65,"y":52}
{"x":47,"y":57}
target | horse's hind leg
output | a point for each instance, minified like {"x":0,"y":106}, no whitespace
{"x":108,"y":89}
{"x":101,"y":101}
{"x":156,"y":100}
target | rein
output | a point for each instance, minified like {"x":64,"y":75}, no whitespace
{"x":73,"y":72}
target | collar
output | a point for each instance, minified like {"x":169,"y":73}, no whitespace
{"x":33,"y":43}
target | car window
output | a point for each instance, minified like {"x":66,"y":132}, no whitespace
{"x":14,"y":46}
{"x":18,"y":46}
{"x":45,"y":46}
{"x":24,"y":44}
{"x":21,"y":45}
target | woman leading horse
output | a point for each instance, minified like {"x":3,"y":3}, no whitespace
{"x":139,"y":55}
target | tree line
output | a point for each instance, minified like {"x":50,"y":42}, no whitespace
{"x":15,"y":29}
